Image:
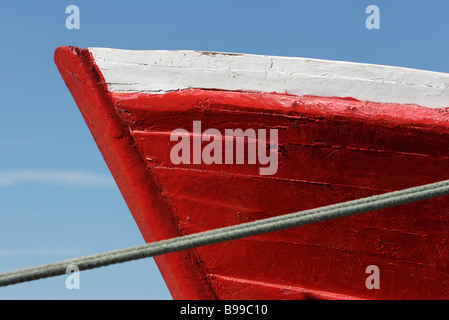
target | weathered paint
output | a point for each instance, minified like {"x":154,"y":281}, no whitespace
{"x":158,"y":71}
{"x":129,"y":170}
{"x":330,"y":150}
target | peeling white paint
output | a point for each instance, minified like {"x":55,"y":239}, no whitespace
{"x":163,"y":71}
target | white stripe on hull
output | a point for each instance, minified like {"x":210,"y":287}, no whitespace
{"x":164,"y":71}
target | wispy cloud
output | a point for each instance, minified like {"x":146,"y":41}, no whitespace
{"x":41,"y":252}
{"x":69,"y":178}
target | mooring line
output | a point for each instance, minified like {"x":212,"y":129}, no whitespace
{"x":344,"y":209}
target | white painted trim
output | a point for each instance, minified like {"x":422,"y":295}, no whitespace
{"x":163,"y":71}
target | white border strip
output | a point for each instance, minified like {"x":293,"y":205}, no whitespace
{"x":163,"y":71}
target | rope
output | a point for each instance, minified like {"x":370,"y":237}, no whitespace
{"x":339,"y":210}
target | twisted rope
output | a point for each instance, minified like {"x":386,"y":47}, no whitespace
{"x":277,"y":223}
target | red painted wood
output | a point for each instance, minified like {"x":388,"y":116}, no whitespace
{"x":330,"y":150}
{"x":183,"y":278}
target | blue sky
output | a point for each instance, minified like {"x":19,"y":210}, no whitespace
{"x":57,"y":197}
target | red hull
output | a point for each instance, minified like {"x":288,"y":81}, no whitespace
{"x":330,"y":150}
